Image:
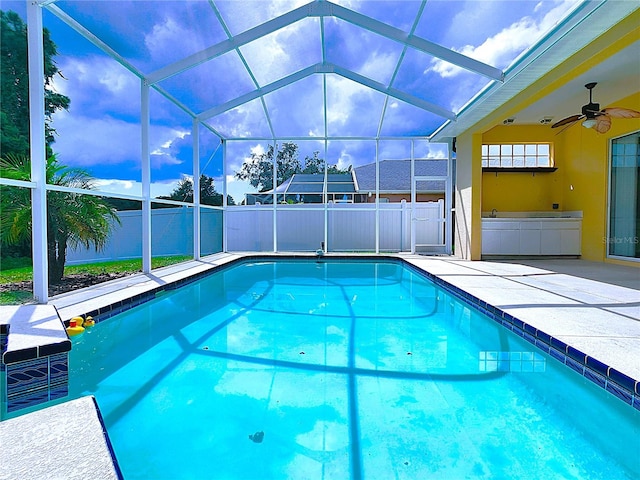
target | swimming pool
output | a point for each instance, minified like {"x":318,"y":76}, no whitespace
{"x":340,"y":369}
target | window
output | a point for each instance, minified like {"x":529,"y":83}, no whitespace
{"x":624,"y":206}
{"x":518,"y":155}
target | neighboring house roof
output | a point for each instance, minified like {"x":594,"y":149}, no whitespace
{"x":313,"y":183}
{"x":395,"y":176}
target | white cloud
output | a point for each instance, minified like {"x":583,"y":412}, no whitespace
{"x":378,"y":62}
{"x":340,"y":96}
{"x":237,"y":188}
{"x":345,"y":160}
{"x":84,"y":141}
{"x":133,"y":187}
{"x":244,"y":121}
{"x":164,"y":37}
{"x":97,"y":82}
{"x":502,"y":48}
{"x":282,"y":52}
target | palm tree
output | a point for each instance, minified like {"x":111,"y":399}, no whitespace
{"x":72,"y":219}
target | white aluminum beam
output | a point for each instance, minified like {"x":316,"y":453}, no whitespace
{"x":246,"y":65}
{"x":414,"y":41}
{"x":145,"y":161}
{"x":248,"y":97}
{"x":394,"y":92}
{"x":38,"y":153}
{"x":328,"y":68}
{"x":230,"y":44}
{"x":413,"y":224}
{"x":67,"y":19}
{"x":93,"y":39}
{"x":448,"y":202}
{"x":224,"y":195}
{"x":195,"y":133}
{"x":275,"y":196}
{"x":377,"y":206}
{"x":325,"y":9}
{"x":9,"y":182}
{"x":582,"y":26}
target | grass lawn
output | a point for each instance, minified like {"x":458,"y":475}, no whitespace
{"x":15,"y":270}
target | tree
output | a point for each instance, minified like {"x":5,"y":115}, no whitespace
{"x":315,"y":164}
{"x":73,"y":219}
{"x":14,"y":87}
{"x":208,"y":195}
{"x":258,"y":170}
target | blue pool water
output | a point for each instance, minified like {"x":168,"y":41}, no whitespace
{"x":320,"y":370}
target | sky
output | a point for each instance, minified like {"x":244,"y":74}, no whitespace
{"x":101,"y":130}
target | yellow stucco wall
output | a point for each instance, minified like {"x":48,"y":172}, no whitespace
{"x":523,"y":191}
{"x":581,"y":155}
{"x":580,"y":183}
{"x":585,"y":182}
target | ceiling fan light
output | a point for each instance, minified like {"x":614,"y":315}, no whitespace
{"x":589,"y":123}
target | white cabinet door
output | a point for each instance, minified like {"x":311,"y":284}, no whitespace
{"x":550,"y":242}
{"x":528,"y":237}
{"x":530,"y":242}
{"x":491,"y":242}
{"x":510,"y":242}
{"x":570,"y":242}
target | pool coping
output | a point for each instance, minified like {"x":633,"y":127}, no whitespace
{"x":109,"y":299}
{"x":68,"y":440}
{"x":615,"y":382}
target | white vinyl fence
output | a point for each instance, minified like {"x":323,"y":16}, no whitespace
{"x":351,"y":227}
{"x":171,"y":231}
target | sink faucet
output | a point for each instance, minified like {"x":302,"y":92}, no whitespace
{"x":494,"y":213}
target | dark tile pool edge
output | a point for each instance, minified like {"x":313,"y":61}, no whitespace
{"x":622,"y":386}
{"x":116,"y":308}
{"x":107,"y":440}
{"x":617,"y":383}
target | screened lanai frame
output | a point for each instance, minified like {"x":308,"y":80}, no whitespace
{"x":453,"y":123}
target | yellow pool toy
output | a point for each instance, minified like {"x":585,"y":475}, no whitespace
{"x":79,"y":321}
{"x":89,"y":321}
{"x":74,"y":328}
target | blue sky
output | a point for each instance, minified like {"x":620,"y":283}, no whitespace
{"x":101,"y":130}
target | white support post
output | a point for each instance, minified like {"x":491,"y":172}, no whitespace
{"x":325,"y":243}
{"x":146,"y":179}
{"x":414,"y":199}
{"x":224,"y":195}
{"x":377,"y":196}
{"x":38,"y":153}
{"x":275,"y":196}
{"x":448,"y":202}
{"x":195,"y":132}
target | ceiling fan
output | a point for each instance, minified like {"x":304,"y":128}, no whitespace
{"x":599,"y":120}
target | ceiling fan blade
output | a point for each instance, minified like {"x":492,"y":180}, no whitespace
{"x":565,"y":121}
{"x":603,"y":123}
{"x":619,"y":112}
